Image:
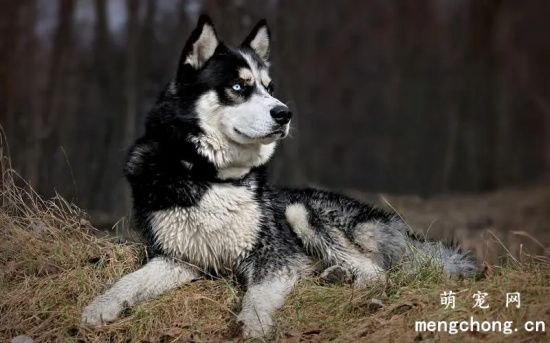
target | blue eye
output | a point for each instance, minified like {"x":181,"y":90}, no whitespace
{"x":237,"y":87}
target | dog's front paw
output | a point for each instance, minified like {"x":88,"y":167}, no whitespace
{"x":101,"y":311}
{"x":255,"y":325}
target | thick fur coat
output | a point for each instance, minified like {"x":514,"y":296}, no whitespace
{"x":203,"y":203}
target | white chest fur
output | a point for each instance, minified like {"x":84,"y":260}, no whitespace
{"x":214,"y":233}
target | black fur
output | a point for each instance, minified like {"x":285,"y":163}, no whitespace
{"x":201,"y":196}
{"x":170,"y":172}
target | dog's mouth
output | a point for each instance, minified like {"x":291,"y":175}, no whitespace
{"x":273,"y":134}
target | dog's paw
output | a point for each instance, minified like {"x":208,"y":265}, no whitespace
{"x":336,"y":275}
{"x":254,"y":325}
{"x":101,"y":311}
{"x":255,"y":331}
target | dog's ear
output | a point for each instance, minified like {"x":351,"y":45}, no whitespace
{"x":259,"y":40}
{"x":201,"y":44}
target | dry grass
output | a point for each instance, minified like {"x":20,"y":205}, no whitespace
{"x":517,"y":217}
{"x":53,"y":263}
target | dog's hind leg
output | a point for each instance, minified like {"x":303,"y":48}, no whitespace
{"x":330,"y":245}
{"x":261,"y":300}
{"x":156,"y":277}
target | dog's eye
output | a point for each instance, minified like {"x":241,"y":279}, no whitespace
{"x":237,"y":87}
{"x":270,"y":88}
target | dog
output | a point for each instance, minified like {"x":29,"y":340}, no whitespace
{"x":201,"y":199}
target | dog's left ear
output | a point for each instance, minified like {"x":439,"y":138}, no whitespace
{"x":259,"y":40}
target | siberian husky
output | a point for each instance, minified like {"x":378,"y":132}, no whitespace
{"x":202,"y":201}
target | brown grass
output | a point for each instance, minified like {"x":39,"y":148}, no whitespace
{"x":53,"y":262}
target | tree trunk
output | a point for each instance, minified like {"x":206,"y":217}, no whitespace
{"x":49,"y":140}
{"x":131,"y":80}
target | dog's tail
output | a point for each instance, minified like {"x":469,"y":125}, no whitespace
{"x":454,"y":261}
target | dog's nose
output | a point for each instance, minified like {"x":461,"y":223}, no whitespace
{"x":281,"y":114}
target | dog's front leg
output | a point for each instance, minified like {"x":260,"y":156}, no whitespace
{"x":157,"y":276}
{"x":260,"y":302}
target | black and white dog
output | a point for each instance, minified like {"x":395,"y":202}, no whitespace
{"x":202,"y":201}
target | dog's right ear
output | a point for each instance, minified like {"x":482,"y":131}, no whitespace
{"x":201,"y":44}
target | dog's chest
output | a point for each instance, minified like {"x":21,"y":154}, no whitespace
{"x":215,"y":233}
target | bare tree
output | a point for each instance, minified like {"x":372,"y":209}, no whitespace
{"x":438,"y":96}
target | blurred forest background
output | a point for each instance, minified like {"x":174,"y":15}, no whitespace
{"x":406,"y":97}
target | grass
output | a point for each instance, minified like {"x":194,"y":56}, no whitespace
{"x":53,"y":262}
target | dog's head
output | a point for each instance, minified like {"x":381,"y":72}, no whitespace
{"x":227,"y":93}
{"x":238,"y":91}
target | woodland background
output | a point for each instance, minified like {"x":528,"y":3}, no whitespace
{"x":406,"y":97}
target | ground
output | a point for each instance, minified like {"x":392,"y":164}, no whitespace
{"x":53,"y":262}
